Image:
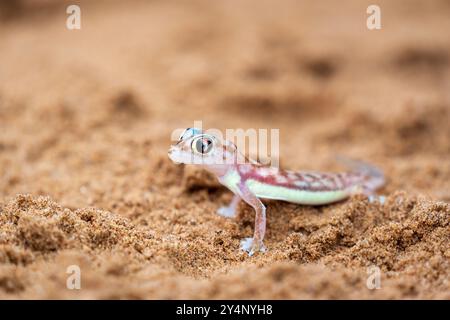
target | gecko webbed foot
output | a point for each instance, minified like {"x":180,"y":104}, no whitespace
{"x":251,"y":246}
{"x":227,"y":212}
{"x":231,"y":210}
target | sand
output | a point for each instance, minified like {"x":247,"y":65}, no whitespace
{"x":86,"y":118}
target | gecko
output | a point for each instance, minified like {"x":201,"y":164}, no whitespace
{"x":251,"y":181}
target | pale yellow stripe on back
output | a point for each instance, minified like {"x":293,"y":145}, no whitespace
{"x":267,"y":191}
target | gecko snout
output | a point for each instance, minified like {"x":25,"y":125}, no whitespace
{"x":171,"y":150}
{"x":173,"y":154}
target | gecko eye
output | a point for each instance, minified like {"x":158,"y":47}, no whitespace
{"x":202,"y":145}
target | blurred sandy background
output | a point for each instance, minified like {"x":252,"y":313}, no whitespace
{"x":85,"y":123}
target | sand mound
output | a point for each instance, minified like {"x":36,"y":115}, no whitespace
{"x":407,"y":238}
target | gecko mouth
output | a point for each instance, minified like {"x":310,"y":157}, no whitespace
{"x":172,"y":156}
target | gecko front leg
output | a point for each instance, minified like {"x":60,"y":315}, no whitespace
{"x":230,"y":211}
{"x":255,"y":244}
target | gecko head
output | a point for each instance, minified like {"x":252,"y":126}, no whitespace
{"x":197,"y":147}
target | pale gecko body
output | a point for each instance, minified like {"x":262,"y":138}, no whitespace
{"x":251,"y":181}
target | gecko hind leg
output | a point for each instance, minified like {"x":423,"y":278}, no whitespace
{"x":375,"y":198}
{"x":230,"y":211}
{"x":371,"y":196}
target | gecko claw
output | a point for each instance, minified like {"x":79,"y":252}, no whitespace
{"x":251,"y":247}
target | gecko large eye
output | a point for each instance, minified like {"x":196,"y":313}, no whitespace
{"x":202,"y":145}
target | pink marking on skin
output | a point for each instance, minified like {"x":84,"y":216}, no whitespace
{"x":311,"y":177}
{"x":245,"y":169}
{"x":296,"y":180}
{"x":263,"y":172}
{"x":301,"y":184}
{"x":280,"y":179}
{"x":292,"y":175}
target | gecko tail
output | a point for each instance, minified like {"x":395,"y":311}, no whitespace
{"x":374,"y":177}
